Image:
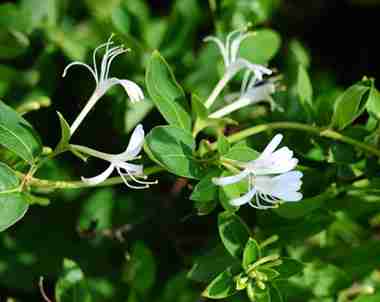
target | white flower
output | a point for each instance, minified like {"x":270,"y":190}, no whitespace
{"x":270,"y":178}
{"x":120,"y":162}
{"x":233,"y":63}
{"x":252,"y":92}
{"x":102,"y":79}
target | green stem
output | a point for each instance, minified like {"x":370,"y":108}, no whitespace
{"x":59,"y":185}
{"x":327,"y":133}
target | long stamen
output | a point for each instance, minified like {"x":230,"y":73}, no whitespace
{"x":80,"y":64}
{"x":94,"y":55}
{"x":230,"y":38}
{"x":111,"y":58}
{"x":221,"y":47}
{"x":137,"y":180}
{"x":103,"y":66}
{"x":122,"y":175}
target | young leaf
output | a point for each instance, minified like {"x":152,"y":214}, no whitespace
{"x":304,"y":87}
{"x":233,"y":232}
{"x":251,"y":253}
{"x":166,"y":93}
{"x":141,"y":269}
{"x":221,"y":287}
{"x":17,"y":135}
{"x":373,"y":104}
{"x":72,"y":286}
{"x":65,"y":134}
{"x":261,"y":47}
{"x":289,"y":267}
{"x":13,"y":205}
{"x":172,"y":148}
{"x":350,"y":105}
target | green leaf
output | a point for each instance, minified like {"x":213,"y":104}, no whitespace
{"x":65,"y":134}
{"x":198,"y":108}
{"x":17,"y":135}
{"x":275,"y":294}
{"x":72,"y":286}
{"x":251,"y":253}
{"x":97,"y":209}
{"x":368,"y":298}
{"x":206,"y":267}
{"x":304,"y":87}
{"x":121,"y":19}
{"x":221,"y":287}
{"x":206,"y":190}
{"x":166,"y":93}
{"x":242,"y":153}
{"x":350,"y":105}
{"x":233,"y":232}
{"x":140,"y":271}
{"x":255,"y":294}
{"x":13,"y":205}
{"x":261,"y":47}
{"x":172,"y":148}
{"x":299,"y":53}
{"x":289,"y":267}
{"x":373,"y":104}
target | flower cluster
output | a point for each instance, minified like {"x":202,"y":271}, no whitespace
{"x":271,"y":178}
{"x":254,"y":87}
{"x":127,"y":171}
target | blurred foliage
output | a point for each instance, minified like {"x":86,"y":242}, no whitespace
{"x":173,"y":242}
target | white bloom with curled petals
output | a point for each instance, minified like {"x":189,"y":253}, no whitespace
{"x":233,"y":63}
{"x":102,"y":79}
{"x":252,"y":92}
{"x":271,"y":178}
{"x":120,"y":162}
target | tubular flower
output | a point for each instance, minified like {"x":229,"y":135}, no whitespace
{"x":233,"y":63}
{"x":120,"y":162}
{"x":252,"y":92}
{"x":271,"y":178}
{"x":102,"y":79}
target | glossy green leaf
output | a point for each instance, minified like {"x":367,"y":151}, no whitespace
{"x":251,"y":253}
{"x":373,"y":104}
{"x":207,"y":266}
{"x":261,"y":47}
{"x":289,"y":267}
{"x":221,"y":287}
{"x":166,"y":93}
{"x":140,"y":270}
{"x":72,"y":286}
{"x":350,"y":105}
{"x":304,"y":87}
{"x":17,"y":135}
{"x":13,"y":205}
{"x":233,"y":232}
{"x":172,"y":148}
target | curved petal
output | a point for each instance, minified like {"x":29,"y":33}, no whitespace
{"x":81,"y":64}
{"x":273,"y":144}
{"x":99,"y":178}
{"x":131,"y":168}
{"x":228,"y":180}
{"x":244,"y":199}
{"x":290,"y":196}
{"x":132,"y":89}
{"x":235,"y":45}
{"x":136,"y":141}
{"x":221,"y":47}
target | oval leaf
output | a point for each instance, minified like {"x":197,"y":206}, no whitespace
{"x":17,"y":135}
{"x":165,"y":92}
{"x":233,"y":232}
{"x":13,"y":205}
{"x":172,"y":148}
{"x":221,"y":287}
{"x":251,"y":253}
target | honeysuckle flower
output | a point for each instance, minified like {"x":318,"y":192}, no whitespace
{"x":252,"y":92}
{"x":120,"y":162}
{"x":102,"y":79}
{"x":271,"y":178}
{"x":233,"y":63}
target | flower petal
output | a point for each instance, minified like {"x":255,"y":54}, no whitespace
{"x":136,"y":141}
{"x":99,"y":178}
{"x":290,"y":196}
{"x":228,"y":180}
{"x":244,"y":199}
{"x":273,"y":144}
{"x":131,"y":88}
{"x":131,"y":168}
